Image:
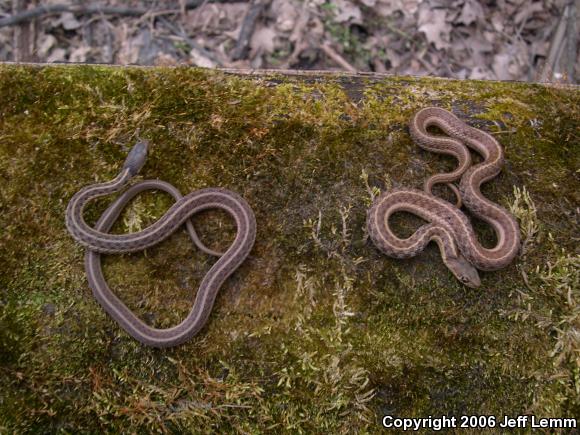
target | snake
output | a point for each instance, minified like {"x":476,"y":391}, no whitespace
{"x":447,"y":225}
{"x":97,"y":240}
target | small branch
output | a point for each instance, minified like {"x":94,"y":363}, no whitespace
{"x":555,"y":46}
{"x":58,"y":8}
{"x":298,"y":36}
{"x":572,"y":42}
{"x":430,"y":69}
{"x":330,"y":52}
{"x":240,"y":51}
{"x":398,"y":31}
{"x":193,"y":44}
{"x":20,"y":42}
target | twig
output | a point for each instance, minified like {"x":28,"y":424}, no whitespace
{"x":240,"y":51}
{"x":427,"y":65}
{"x":20,"y":36}
{"x":398,"y":31}
{"x":57,"y":8}
{"x":330,"y":52}
{"x":297,"y":36}
{"x":197,"y":13}
{"x":572,"y":42}
{"x":555,"y":46}
{"x":193,"y":44}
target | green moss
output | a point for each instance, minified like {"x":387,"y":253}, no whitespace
{"x":317,"y":330}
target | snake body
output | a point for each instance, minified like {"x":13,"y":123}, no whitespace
{"x":448,"y":226}
{"x":97,"y":240}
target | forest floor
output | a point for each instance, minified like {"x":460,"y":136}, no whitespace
{"x":526,"y":40}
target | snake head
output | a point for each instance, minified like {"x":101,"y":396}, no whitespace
{"x":463,"y":271}
{"x":136,"y":157}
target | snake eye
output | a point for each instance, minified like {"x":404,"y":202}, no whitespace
{"x":464,"y":279}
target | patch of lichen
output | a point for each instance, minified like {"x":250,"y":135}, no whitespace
{"x":317,"y":330}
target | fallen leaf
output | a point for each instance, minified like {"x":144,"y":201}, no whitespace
{"x":57,"y":55}
{"x":68,"y":21}
{"x":199,"y":59}
{"x":164,"y":59}
{"x":527,"y":10}
{"x":432,"y":22}
{"x":386,"y":8}
{"x":346,"y":11}
{"x":216,"y":18}
{"x":497,"y":21}
{"x":479,"y":73}
{"x":500,"y":66}
{"x":286,"y":14}
{"x":131,"y":46}
{"x":48,"y":41}
{"x":263,"y":39}
{"x":470,"y":12}
{"x":79,"y":54}
{"x":394,"y":58}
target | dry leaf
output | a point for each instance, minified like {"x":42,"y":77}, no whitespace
{"x":199,"y":59}
{"x":68,"y":21}
{"x":499,"y":39}
{"x":479,"y":73}
{"x":164,"y":59}
{"x":216,"y":18}
{"x":470,"y":12}
{"x":48,"y":41}
{"x":57,"y":55}
{"x":394,"y":58}
{"x":263,"y":40}
{"x":131,"y":46}
{"x":286,"y":14}
{"x":346,"y":11}
{"x":527,"y":10}
{"x":432,"y":22}
{"x":386,"y":8}
{"x":500,"y":66}
{"x":497,"y":21}
{"x":79,"y":54}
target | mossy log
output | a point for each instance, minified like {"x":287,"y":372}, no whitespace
{"x":317,"y":331}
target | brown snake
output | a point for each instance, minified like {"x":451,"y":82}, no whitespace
{"x":447,"y":225}
{"x":97,"y":240}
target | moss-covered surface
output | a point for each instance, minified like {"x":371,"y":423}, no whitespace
{"x":317,"y":330}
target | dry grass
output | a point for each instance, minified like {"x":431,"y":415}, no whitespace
{"x":524,"y":209}
{"x":557,"y":280}
{"x":561,"y":279}
{"x":342,"y":380}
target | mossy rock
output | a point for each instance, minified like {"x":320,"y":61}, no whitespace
{"x":317,"y":331}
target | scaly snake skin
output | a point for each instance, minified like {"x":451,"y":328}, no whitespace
{"x":447,"y":225}
{"x":97,"y":240}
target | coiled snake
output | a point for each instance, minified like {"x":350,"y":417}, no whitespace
{"x":447,"y":225}
{"x":97,"y":240}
